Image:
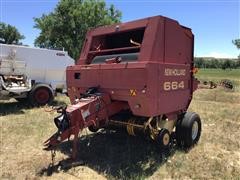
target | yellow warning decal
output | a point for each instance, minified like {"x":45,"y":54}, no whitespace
{"x":133,"y":92}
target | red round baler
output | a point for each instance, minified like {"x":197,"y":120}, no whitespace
{"x":137,"y":76}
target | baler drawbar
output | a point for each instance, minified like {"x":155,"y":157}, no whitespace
{"x":90,"y":111}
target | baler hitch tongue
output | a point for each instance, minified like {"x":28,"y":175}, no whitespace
{"x":48,"y":144}
{"x":62,"y":123}
{"x":89,"y":111}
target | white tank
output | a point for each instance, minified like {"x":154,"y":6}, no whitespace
{"x":41,"y":65}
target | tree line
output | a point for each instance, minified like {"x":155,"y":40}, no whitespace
{"x":201,"y":62}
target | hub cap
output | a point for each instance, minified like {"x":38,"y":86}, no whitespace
{"x":166,"y":139}
{"x":194,"y":130}
{"x":42,"y":96}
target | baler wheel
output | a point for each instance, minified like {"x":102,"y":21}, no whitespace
{"x":93,"y":129}
{"x":163,"y":139}
{"x":188,"y":130}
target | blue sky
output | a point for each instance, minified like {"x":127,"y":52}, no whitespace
{"x":214,"y":22}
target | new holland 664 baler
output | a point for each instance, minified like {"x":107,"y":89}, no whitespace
{"x":137,"y":76}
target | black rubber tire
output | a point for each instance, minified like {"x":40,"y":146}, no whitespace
{"x":40,"y":95}
{"x":162,"y":143}
{"x":93,"y":129}
{"x":184,"y":130}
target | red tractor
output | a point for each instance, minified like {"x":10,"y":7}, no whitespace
{"x":137,"y":76}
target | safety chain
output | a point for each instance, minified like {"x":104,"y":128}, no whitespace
{"x":53,"y":155}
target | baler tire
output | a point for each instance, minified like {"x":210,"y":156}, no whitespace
{"x":163,"y":140}
{"x":93,"y":129}
{"x":188,"y":130}
{"x":40,"y":95}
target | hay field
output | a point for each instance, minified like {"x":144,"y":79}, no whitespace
{"x":112,"y":155}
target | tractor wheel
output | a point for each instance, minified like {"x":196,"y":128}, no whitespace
{"x":188,"y":130}
{"x":40,"y":95}
{"x":163,"y":139}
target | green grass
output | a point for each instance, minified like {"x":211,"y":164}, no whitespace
{"x":216,"y":75}
{"x":219,"y":74}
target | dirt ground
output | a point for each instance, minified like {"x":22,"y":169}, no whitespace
{"x":114,"y":155}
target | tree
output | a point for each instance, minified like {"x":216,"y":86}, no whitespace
{"x":9,"y":34}
{"x":214,"y":63}
{"x":238,"y":62}
{"x":199,"y":62}
{"x":67,"y":25}
{"x":226,"y":64}
{"x":236,"y":42}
